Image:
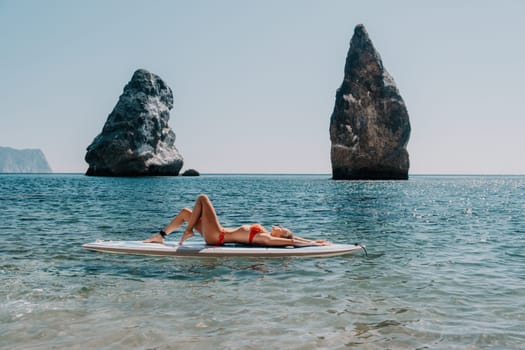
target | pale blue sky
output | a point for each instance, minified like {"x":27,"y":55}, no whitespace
{"x":255,"y":81}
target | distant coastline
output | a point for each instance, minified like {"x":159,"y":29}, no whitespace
{"x":23,"y":161}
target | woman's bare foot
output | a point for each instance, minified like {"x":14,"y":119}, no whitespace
{"x":185,"y":236}
{"x":156,"y":238}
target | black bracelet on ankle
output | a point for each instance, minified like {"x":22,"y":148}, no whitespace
{"x":162,"y":233}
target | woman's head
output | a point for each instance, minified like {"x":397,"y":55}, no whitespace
{"x":279,"y":231}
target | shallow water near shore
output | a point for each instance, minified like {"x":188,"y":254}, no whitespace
{"x":445,"y":266}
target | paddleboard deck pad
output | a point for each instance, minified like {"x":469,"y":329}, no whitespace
{"x":190,"y":249}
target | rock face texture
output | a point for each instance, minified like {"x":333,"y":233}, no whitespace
{"x":23,"y":161}
{"x":136,"y":139}
{"x":369,"y":127}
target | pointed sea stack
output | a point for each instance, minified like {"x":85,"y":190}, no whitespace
{"x":369,"y":127}
{"x":136,"y":139}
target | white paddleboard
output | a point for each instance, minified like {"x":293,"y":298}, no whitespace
{"x":200,"y":249}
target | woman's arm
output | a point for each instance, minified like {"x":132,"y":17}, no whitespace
{"x":268,"y":240}
{"x":271,"y":241}
{"x":303,"y":241}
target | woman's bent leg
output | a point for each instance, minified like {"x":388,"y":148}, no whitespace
{"x":203,"y":214}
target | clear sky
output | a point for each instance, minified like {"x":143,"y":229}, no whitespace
{"x":254,"y":81}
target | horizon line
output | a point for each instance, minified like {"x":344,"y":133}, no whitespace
{"x":269,"y":173}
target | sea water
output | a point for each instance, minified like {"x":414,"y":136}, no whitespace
{"x":445,"y":266}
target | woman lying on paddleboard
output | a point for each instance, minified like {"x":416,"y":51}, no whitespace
{"x":204,"y":219}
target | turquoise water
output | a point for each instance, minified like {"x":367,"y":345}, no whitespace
{"x":446,"y":265}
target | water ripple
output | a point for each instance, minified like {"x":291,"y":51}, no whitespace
{"x":444,"y":267}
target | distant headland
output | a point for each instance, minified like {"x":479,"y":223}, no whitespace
{"x":23,"y":161}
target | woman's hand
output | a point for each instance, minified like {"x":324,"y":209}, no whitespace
{"x":156,"y":238}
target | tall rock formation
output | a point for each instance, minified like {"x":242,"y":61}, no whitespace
{"x":23,"y":161}
{"x":369,"y":127}
{"x":136,"y":139}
